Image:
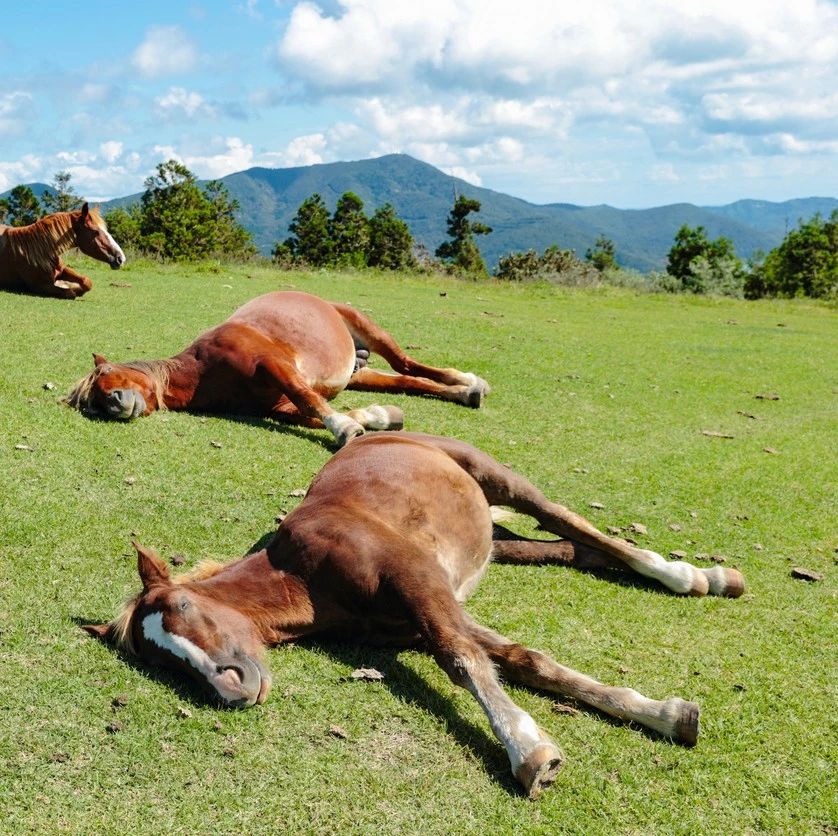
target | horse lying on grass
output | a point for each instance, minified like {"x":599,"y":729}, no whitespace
{"x":392,"y":536}
{"x":30,"y":256}
{"x":283,"y":355}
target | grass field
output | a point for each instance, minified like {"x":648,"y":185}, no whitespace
{"x":597,"y":397}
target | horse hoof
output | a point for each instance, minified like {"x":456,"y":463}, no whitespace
{"x":476,"y":392}
{"x":348,"y":433}
{"x":539,"y":769}
{"x":686,"y":726}
{"x":726,"y":582}
{"x":395,"y":417}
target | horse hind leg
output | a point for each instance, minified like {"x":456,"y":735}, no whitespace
{"x":502,"y":486}
{"x":463,"y":387}
{"x":674,"y":718}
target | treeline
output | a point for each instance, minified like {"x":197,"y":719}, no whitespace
{"x":177,"y":219}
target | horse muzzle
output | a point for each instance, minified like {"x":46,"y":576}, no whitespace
{"x":125,"y":404}
{"x":117,"y":260}
{"x":241,"y":681}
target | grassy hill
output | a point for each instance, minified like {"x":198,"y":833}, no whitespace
{"x":598,"y":398}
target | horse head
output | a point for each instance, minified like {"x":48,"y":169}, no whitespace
{"x":173,"y":624}
{"x":115,"y":390}
{"x":93,"y":238}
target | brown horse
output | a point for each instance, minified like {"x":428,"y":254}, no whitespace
{"x":392,"y":536}
{"x":30,"y":256}
{"x":284,"y":355}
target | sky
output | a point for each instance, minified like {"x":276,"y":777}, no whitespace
{"x":635,"y":104}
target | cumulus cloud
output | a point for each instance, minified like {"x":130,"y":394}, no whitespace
{"x":16,"y":109}
{"x":179,"y":103}
{"x":166,"y":50}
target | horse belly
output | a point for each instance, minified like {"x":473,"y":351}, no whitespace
{"x":464,"y":572}
{"x":322,"y":344}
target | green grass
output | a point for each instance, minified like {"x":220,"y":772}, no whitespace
{"x":596,"y":397}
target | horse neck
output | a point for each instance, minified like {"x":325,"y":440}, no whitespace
{"x":45,"y":240}
{"x":182,"y":380}
{"x":277,"y":603}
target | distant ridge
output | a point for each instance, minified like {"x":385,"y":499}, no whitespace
{"x":422,"y":195}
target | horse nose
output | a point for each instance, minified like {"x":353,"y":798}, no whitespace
{"x":117,"y":395}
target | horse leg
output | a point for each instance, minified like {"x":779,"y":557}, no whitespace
{"x":371,"y":418}
{"x":370,"y":380}
{"x":502,"y":486}
{"x":534,"y":757}
{"x":73,"y":282}
{"x":508,"y":547}
{"x":675,"y":718}
{"x":463,"y":387}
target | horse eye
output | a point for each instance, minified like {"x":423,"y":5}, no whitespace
{"x":183,"y":605}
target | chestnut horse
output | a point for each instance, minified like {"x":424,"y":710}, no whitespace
{"x":284,"y":355}
{"x":393,"y":535}
{"x":30,"y":256}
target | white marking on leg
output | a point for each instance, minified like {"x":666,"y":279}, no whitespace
{"x":339,"y":424}
{"x":375,"y":417}
{"x":676,"y":575}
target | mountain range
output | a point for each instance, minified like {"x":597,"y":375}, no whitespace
{"x":423,"y":195}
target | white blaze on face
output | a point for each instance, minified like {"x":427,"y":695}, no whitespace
{"x":182,"y":648}
{"x":120,"y":256}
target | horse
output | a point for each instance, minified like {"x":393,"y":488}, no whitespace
{"x":30,"y":256}
{"x":391,"y":538}
{"x":282,"y":355}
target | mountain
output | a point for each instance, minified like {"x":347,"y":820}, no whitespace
{"x":423,"y":195}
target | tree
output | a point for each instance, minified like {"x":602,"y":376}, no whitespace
{"x":124,"y":224}
{"x":462,"y":251}
{"x":179,"y":220}
{"x":603,"y":254}
{"x":349,"y":232}
{"x":23,"y":207}
{"x":390,"y":242}
{"x":705,"y":266}
{"x":310,"y":240}
{"x":805,"y":263}
{"x":63,"y":198}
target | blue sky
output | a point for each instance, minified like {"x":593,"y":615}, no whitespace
{"x":635,"y":103}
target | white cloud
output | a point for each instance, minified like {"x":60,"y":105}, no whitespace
{"x":234,"y":155}
{"x":464,"y":174}
{"x":304,"y":150}
{"x":111,"y":150}
{"x":166,"y":50}
{"x":16,"y":108}
{"x":181,"y":103}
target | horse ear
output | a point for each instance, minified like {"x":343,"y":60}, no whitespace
{"x":85,"y":210}
{"x":103,"y":632}
{"x":153,"y":571}
{"x":99,"y":360}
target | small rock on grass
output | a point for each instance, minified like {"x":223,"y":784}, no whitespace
{"x":598,"y":505}
{"x":674,"y":527}
{"x":803,"y":574}
{"x":177,"y":560}
{"x":113,"y":727}
{"x":678,"y":555}
{"x":183,"y":712}
{"x":562,"y":708}
{"x":297,"y":492}
{"x":366,"y":674}
{"x":614,"y":529}
{"x":638,"y":528}
{"x":767,"y":396}
{"x":338,"y":732}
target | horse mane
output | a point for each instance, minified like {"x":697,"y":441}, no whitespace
{"x":159,"y":371}
{"x":39,"y":244}
{"x":121,"y":634}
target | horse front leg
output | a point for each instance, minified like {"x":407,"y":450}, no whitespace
{"x":412,"y":376}
{"x":72,"y":283}
{"x":675,"y":718}
{"x":534,"y":758}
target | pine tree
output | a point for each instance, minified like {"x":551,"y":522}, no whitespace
{"x":309,"y":239}
{"x":390,"y":241}
{"x":462,"y":251}
{"x":349,"y":232}
{"x":23,"y":207}
{"x":603,"y":254}
{"x":63,"y":197}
